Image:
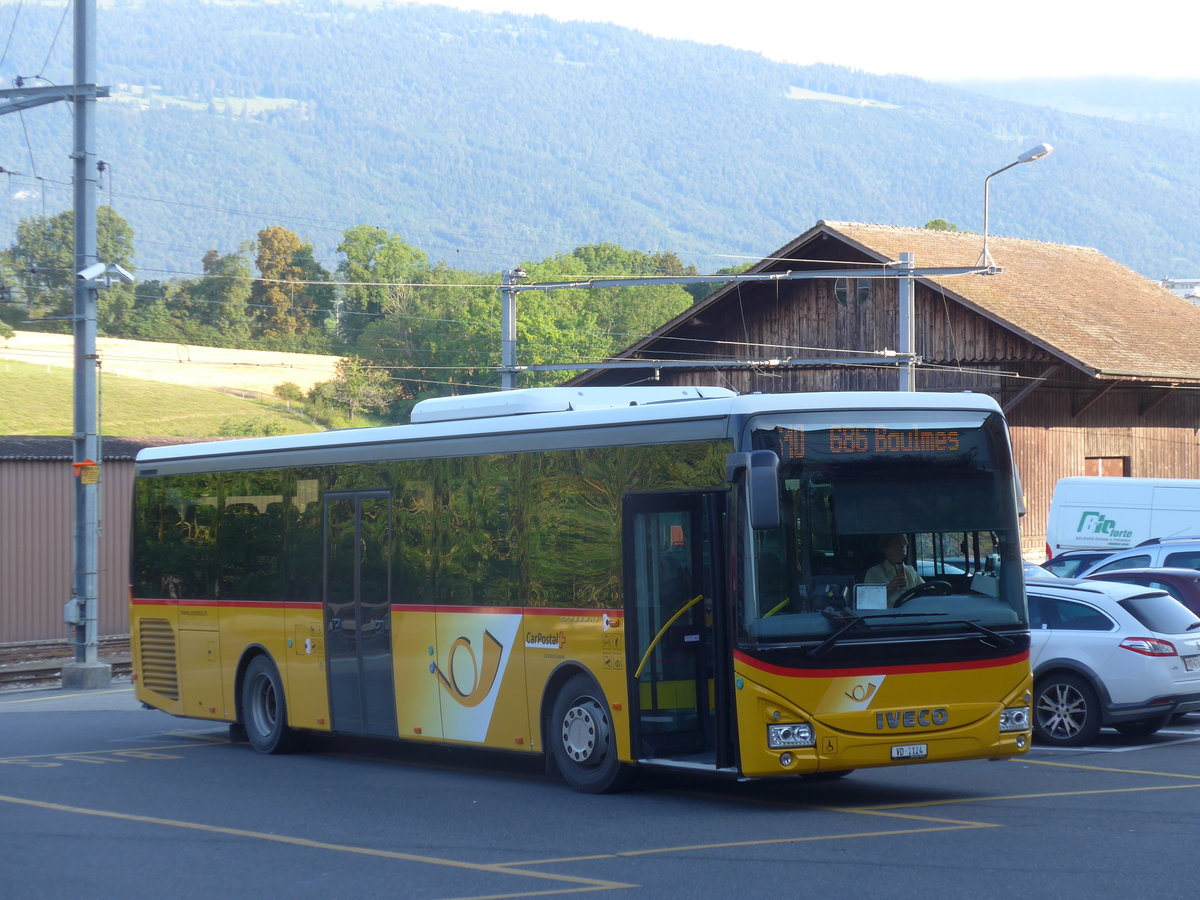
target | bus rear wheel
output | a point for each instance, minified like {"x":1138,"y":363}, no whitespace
{"x":264,"y":709}
{"x":582,"y":741}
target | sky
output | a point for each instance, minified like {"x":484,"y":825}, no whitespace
{"x":938,"y":40}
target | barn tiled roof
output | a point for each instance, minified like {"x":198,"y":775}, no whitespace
{"x":1076,"y":302}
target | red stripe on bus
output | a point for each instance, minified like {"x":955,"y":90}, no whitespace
{"x":576,"y":613}
{"x":511,"y":610}
{"x":396,"y":607}
{"x":882,"y":670}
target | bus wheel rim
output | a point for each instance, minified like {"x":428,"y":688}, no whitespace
{"x":584,"y":733}
{"x":265,"y":712}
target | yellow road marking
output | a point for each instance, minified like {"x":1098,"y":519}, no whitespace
{"x":765,"y":842}
{"x":552,"y":893}
{"x":110,"y":751}
{"x":495,"y":868}
{"x":1037,"y":796}
{"x":1063,"y":765}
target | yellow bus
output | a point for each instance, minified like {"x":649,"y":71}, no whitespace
{"x":618,"y":579}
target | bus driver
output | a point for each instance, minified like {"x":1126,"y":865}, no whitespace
{"x":893,"y":571}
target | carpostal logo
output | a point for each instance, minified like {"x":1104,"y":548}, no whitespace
{"x":1094,"y":522}
{"x":539,"y":641}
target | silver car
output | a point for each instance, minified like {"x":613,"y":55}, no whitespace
{"x":1109,"y":654}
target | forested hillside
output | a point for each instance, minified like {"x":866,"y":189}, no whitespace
{"x":487,"y":140}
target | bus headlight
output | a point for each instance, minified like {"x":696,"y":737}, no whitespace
{"x":1015,"y":718}
{"x":797,"y":735}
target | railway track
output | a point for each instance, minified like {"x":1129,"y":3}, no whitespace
{"x":39,"y":663}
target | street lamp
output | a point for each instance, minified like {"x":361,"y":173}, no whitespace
{"x":1038,"y":152}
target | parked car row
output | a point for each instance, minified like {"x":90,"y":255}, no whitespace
{"x":1178,"y":553}
{"x":1116,"y":635}
{"x":1109,"y":654}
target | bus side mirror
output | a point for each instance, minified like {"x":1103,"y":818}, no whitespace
{"x":760,"y":468}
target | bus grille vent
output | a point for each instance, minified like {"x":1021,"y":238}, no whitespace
{"x":157,"y":643}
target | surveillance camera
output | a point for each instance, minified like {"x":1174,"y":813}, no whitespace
{"x":120,"y":273}
{"x":95,"y":270}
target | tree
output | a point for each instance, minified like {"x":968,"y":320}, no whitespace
{"x":442,"y":331}
{"x":940,"y":225}
{"x":380,"y":265}
{"x":289,"y":392}
{"x":284,"y":304}
{"x":12,"y":307}
{"x":622,"y":315}
{"x":359,"y":386}
{"x":222,"y":295}
{"x":44,"y":255}
{"x":322,"y":297}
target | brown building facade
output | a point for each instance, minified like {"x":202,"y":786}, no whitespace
{"x":1095,"y":366}
{"x":36,"y":527}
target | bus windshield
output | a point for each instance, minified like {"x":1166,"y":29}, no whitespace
{"x":893,"y":530}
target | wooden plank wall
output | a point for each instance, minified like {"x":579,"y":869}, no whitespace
{"x":1050,"y":443}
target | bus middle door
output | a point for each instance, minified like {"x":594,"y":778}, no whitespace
{"x":358,"y":642}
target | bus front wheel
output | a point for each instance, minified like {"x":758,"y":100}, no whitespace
{"x":581,"y":739}
{"x":264,"y":710}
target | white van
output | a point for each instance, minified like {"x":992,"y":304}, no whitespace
{"x":1099,"y":512}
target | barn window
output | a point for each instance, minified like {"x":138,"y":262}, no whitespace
{"x":1113,"y":466}
{"x":862,"y":290}
{"x":841,"y":291}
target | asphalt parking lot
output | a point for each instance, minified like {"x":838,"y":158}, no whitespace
{"x":100,"y":797}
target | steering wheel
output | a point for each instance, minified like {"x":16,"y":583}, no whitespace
{"x":938,"y":588}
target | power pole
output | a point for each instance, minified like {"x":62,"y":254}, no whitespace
{"x":82,"y":609}
{"x":508,"y":327}
{"x":87,"y":671}
{"x":906,"y":343}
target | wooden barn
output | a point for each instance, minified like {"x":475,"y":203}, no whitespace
{"x":1096,"y":367}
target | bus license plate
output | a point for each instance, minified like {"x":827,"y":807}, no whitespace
{"x":1191,"y":663}
{"x":910,"y":751}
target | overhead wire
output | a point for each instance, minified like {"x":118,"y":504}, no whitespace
{"x":12,"y":29}
{"x":701,"y":344}
{"x":54,"y":40}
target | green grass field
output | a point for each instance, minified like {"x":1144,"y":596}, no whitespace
{"x":37,"y":399}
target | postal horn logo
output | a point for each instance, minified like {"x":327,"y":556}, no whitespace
{"x":468,"y":683}
{"x":862,"y":693}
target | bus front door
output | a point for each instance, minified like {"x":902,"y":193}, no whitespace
{"x":358,"y":612}
{"x":678,"y":677}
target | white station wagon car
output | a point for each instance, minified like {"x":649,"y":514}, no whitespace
{"x":1109,"y":654}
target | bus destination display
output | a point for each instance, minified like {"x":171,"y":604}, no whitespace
{"x":832,"y":442}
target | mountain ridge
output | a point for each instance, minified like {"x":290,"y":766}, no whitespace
{"x":492,"y":139}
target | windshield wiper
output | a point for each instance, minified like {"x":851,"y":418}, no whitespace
{"x":852,"y":622}
{"x":999,"y":641}
{"x":1192,"y":626}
